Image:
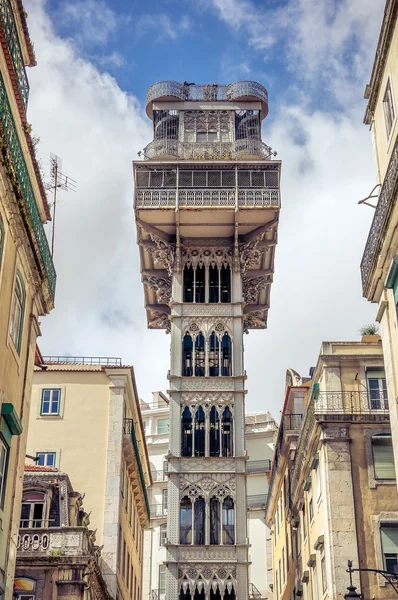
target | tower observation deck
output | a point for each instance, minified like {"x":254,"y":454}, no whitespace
{"x":207,"y":205}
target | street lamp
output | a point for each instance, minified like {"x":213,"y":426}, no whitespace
{"x":391,"y":578}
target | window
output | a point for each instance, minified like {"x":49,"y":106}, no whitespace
{"x":227,"y":432}
{"x":200,"y":432}
{"x":304,"y":524}
{"x":283,"y":566}
{"x":228,"y":521}
{"x":280,"y":577}
{"x":226,"y":356}
{"x":214,"y":432}
{"x":17,"y":312}
{"x":119,"y":548}
{"x":124,"y":559}
{"x":46,"y":459}
{"x":200,"y":355}
{"x":388,"y":109}
{"x":163,"y":426}
{"x":128,"y":571}
{"x":318,"y":483}
{"x":50,"y":402}
{"x":165,"y":500}
{"x":214,"y":521}
{"x":131,"y":580}
{"x":214,"y":355}
{"x":311,"y":508}
{"x":163,"y":534}
{"x":187,"y":350}
{"x":4,"y":450}
{"x":389,"y":543}
{"x":277,"y":584}
{"x":185,"y":521}
{"x":315,"y":582}
{"x":162,"y":579}
{"x":323,"y":571}
{"x":199,"y":523}
{"x":186,"y":437}
{"x":377,"y":387}
{"x":383,"y":456}
{"x":32,"y":510}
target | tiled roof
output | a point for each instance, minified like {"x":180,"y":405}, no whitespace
{"x":40,"y":468}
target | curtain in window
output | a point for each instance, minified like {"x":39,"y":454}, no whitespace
{"x":199,"y":526}
{"x":214,"y":521}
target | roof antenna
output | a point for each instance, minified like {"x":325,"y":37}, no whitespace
{"x":59,"y":181}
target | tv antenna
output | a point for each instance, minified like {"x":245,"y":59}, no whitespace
{"x":58,"y":181}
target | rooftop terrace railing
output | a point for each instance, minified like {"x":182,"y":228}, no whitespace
{"x":158,"y":510}
{"x":258,"y":466}
{"x":104,"y":361}
{"x":208,"y":150}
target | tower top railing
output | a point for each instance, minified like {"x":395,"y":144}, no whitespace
{"x":208,"y":92}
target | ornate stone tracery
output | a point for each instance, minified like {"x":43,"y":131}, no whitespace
{"x":253,"y":286}
{"x":161,"y":287}
{"x":255,"y":320}
{"x":208,"y":256}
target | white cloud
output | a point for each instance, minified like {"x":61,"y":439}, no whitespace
{"x":92,"y":20}
{"x":164,"y":27}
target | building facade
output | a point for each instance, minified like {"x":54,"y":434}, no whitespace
{"x":333,"y":495}
{"x":260,"y":430}
{"x":56,"y":555}
{"x":379,"y":266}
{"x":207,"y":205}
{"x":85,"y":420}
{"x":27,"y":275}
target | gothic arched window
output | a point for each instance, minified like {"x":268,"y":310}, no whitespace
{"x":200,"y":520}
{"x":227,"y":433}
{"x":187,"y":347}
{"x":200,"y":431}
{"x":228,"y":521}
{"x":213,"y":283}
{"x":225,"y":284}
{"x":214,"y":521}
{"x":200,"y":355}
{"x":185,"y":521}
{"x":186,"y":433}
{"x":188,"y":284}
{"x":226,"y":356}
{"x":214,"y":432}
{"x":229,"y":592}
{"x":214,"y":355}
{"x":200,"y":283}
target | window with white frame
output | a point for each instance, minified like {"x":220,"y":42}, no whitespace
{"x":17,"y":311}
{"x":163,"y":426}
{"x":388,"y":109}
{"x":310,"y":505}
{"x":315,"y":582}
{"x":165,"y":500}
{"x":46,"y":459}
{"x":162,"y":579}
{"x":383,"y":456}
{"x":318,"y":482}
{"x":377,"y":389}
{"x":32,"y":510}
{"x":163,"y":534}
{"x":50,"y":402}
{"x":389,"y":543}
{"x":323,"y":570}
{"x":4,"y":450}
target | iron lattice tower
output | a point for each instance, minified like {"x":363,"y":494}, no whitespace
{"x":207,"y":205}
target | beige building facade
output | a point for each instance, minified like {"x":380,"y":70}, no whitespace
{"x":27,"y":275}
{"x":85,"y":420}
{"x":379,"y":266}
{"x":333,"y":494}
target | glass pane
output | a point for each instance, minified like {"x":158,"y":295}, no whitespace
{"x":50,"y":459}
{"x":389,"y":539}
{"x":41,"y":460}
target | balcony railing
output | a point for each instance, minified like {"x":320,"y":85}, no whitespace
{"x":253,"y":591}
{"x":257,"y":501}
{"x":292,"y":422}
{"x":158,"y":595}
{"x":21,"y":172}
{"x":158,"y":510}
{"x":208,"y":150}
{"x":69,"y":540}
{"x":247,"y":198}
{"x":258,"y":466}
{"x":159,"y":475}
{"x":11,"y":37}
{"x":385,"y":205}
{"x":350,"y":402}
{"x":105,"y":361}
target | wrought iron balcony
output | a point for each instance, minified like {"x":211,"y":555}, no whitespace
{"x":351,"y":403}
{"x":257,"y":501}
{"x":258,"y":466}
{"x":240,"y":90}
{"x":17,"y":168}
{"x":11,"y":37}
{"x":292,"y":422}
{"x":209,"y":198}
{"x":240,"y":149}
{"x":385,"y":205}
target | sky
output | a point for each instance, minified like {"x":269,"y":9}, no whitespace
{"x":96,"y":60}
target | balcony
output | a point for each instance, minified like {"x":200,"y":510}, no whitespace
{"x":351,"y":403}
{"x":292,"y":422}
{"x":385,"y":206}
{"x":65,"y":541}
{"x":258,"y":466}
{"x":159,"y":476}
{"x":247,"y":149}
{"x":158,"y":510}
{"x":84,"y":360}
{"x":257,"y":501}
{"x":238,"y":91}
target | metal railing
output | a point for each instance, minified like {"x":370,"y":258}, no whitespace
{"x":158,"y":595}
{"x":129,"y":429}
{"x":207,"y":197}
{"x":258,"y":466}
{"x":159,"y":475}
{"x":253,"y":591}
{"x":11,"y":37}
{"x":208,"y":150}
{"x":154,"y":405}
{"x":385,"y":204}
{"x":104,"y":361}
{"x":206,"y":92}
{"x":257,"y":501}
{"x":158,"y":510}
{"x":350,"y":402}
{"x":292,"y":421}
{"x":21,"y":171}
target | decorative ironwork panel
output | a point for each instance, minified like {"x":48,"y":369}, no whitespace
{"x":208,"y":150}
{"x":155,"y":198}
{"x":206,"y":198}
{"x":22,"y":174}
{"x":11,"y":35}
{"x":249,"y":198}
{"x":382,"y":214}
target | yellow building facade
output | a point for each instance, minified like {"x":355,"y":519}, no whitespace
{"x":85,"y":420}
{"x":333,"y":494}
{"x":27,"y":275}
{"x":379,"y":266}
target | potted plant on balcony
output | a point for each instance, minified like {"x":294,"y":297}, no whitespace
{"x":369,"y":333}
